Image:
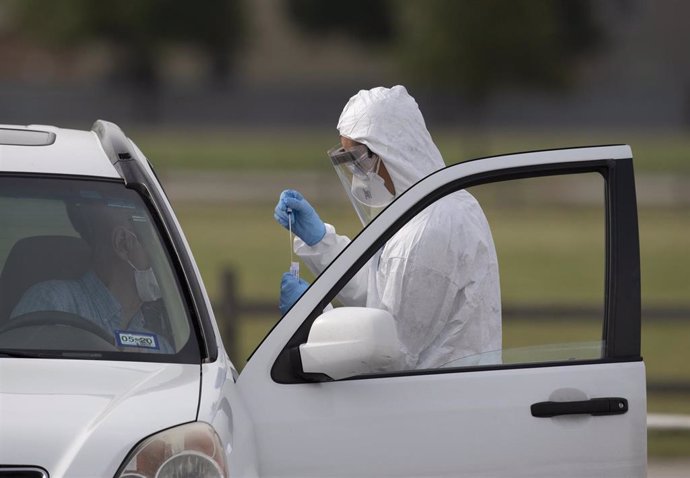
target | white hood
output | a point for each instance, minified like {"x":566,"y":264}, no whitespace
{"x":80,"y":418}
{"x":389,"y":122}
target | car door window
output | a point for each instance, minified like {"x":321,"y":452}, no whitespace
{"x":503,"y":273}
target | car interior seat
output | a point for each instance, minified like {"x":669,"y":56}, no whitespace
{"x":36,"y":259}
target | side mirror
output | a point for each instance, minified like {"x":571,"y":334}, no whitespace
{"x":350,"y":341}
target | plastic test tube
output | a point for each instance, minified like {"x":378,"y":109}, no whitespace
{"x":294,"y":265}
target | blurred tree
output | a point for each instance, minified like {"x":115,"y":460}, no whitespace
{"x":671,"y":38}
{"x":364,"y":20}
{"x":466,"y":48}
{"x":475,"y":47}
{"x":138,"y":31}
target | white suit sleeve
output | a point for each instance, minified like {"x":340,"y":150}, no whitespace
{"x":321,"y":254}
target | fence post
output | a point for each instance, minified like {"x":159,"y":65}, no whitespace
{"x":229,"y":309}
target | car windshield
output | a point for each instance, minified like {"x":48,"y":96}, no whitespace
{"x":86,"y":274}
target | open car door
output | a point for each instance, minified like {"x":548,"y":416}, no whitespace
{"x":571,"y":404}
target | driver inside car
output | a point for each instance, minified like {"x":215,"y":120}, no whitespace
{"x":119,"y":292}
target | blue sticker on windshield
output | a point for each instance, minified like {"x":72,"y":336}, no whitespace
{"x":137,"y":339}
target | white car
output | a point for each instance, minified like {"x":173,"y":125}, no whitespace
{"x":95,"y":382}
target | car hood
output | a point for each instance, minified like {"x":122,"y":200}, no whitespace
{"x":80,"y":418}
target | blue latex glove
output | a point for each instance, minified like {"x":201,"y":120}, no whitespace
{"x":291,"y":289}
{"x":305,"y":222}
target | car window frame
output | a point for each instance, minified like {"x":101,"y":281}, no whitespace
{"x":622,"y":316}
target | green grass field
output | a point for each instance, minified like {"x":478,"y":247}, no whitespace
{"x":289,"y":150}
{"x":247,"y":239}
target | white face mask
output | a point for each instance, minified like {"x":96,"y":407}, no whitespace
{"x":357,"y":169}
{"x":147,"y":284}
{"x":371,"y":191}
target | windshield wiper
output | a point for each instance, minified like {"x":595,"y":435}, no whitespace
{"x":25,"y":354}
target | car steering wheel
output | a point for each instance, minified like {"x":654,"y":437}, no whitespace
{"x":57,"y":317}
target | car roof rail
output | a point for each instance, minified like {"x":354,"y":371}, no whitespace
{"x":119,"y":150}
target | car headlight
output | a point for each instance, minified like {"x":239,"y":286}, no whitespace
{"x":188,"y":451}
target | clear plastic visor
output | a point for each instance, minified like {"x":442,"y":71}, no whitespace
{"x":356,"y":161}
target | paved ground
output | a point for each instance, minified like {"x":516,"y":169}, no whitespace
{"x":265,"y":186}
{"x":679,"y":468}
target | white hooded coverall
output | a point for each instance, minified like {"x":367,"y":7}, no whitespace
{"x":438,"y":275}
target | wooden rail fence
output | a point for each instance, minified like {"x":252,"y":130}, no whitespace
{"x":231,"y":307}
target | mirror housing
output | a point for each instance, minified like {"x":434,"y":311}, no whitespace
{"x":350,"y":341}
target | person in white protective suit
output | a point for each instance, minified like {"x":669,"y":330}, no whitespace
{"x":438,"y":275}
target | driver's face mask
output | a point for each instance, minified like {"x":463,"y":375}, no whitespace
{"x":358,"y":170}
{"x":147,"y":285}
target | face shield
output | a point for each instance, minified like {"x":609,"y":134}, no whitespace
{"x":357,"y":169}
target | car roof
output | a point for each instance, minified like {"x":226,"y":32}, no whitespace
{"x":43,"y":149}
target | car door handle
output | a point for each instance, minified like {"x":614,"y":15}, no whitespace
{"x":594,"y":406}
